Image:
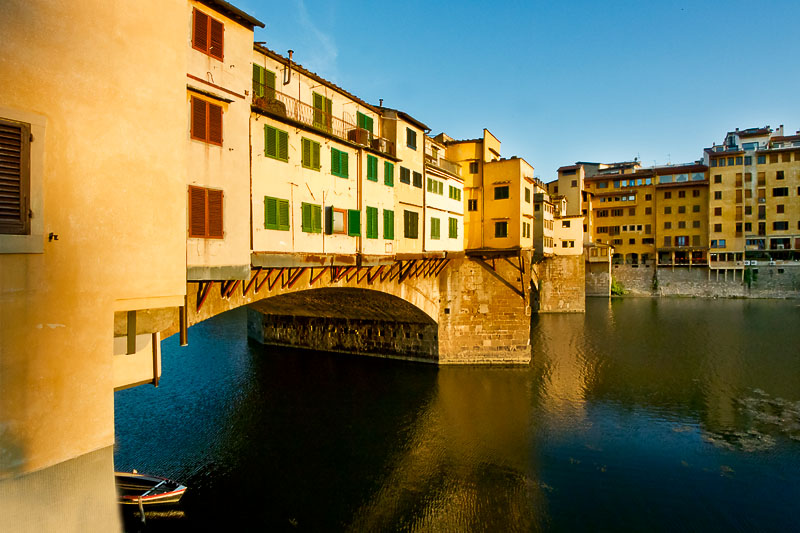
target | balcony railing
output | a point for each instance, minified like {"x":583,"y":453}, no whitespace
{"x":444,"y":164}
{"x":277,"y":103}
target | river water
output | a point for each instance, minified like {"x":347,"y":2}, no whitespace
{"x":641,"y":415}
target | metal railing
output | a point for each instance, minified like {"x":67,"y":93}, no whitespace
{"x":277,"y":103}
{"x":444,"y":164}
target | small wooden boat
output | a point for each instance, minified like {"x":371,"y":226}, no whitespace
{"x":134,"y":488}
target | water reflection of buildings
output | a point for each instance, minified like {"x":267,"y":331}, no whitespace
{"x":469,"y":462}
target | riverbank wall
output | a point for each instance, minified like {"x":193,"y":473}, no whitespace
{"x":761,"y":281}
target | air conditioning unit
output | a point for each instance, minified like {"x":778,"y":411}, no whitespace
{"x":358,"y":136}
{"x":378,"y":144}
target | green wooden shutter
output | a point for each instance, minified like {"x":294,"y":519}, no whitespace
{"x":329,"y":220}
{"x":328,"y":113}
{"x":269,"y":81}
{"x":353,"y":222}
{"x":315,"y":155}
{"x":388,"y":174}
{"x":305,"y":146}
{"x":372,"y":222}
{"x":270,"y":141}
{"x":258,"y":80}
{"x":335,"y":162}
{"x":283,"y":145}
{"x":318,"y":110}
{"x":305,"y":210}
{"x":453,"y":234}
{"x":435,"y":228}
{"x":372,"y":168}
{"x":283,"y":215}
{"x":270,"y":213}
{"x":316,"y":219}
{"x":388,"y":224}
{"x":343,"y":164}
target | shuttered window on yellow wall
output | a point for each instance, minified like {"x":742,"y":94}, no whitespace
{"x":14,"y":177}
{"x":206,"y":121}
{"x":276,"y":143}
{"x":205,"y":213}
{"x":276,"y":213}
{"x":208,"y":34}
{"x":310,"y":153}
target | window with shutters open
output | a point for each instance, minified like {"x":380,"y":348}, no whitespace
{"x":339,"y":163}
{"x":372,"y":222}
{"x":310,"y":153}
{"x":205,"y":213}
{"x":364,"y":122}
{"x":388,"y":174}
{"x":312,"y":218}
{"x":208,"y":34}
{"x":276,"y":213}
{"x":323,"y":112}
{"x":14,"y":177}
{"x":372,"y":168}
{"x":263,"y":82}
{"x":206,"y":121}
{"x":388,"y":224}
{"x":276,"y":143}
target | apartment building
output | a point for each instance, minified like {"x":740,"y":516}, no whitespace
{"x":444,"y":205}
{"x":556,"y":232}
{"x":754,"y":207}
{"x":498,"y":194}
{"x":218,"y":111}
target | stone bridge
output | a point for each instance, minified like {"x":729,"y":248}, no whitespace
{"x":441,"y":309}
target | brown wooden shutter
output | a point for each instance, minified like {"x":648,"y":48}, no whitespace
{"x":214,"y":213}
{"x":200,"y":31}
{"x":214,"y":124}
{"x":197,"y":212}
{"x":198,"y":119}
{"x":14,"y":177}
{"x":217,"y":32}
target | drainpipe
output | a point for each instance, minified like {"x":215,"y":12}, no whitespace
{"x":359,"y":205}
{"x":287,"y":72}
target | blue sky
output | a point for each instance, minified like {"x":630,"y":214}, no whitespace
{"x":558,"y":82}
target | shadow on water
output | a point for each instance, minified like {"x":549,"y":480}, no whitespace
{"x":639,"y":415}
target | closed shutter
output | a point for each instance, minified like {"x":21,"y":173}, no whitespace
{"x":214,"y":213}
{"x":214,"y":124}
{"x":197,"y":212}
{"x":283,"y":215}
{"x":283,"y":145}
{"x":269,"y":81}
{"x":270,"y":213}
{"x":372,"y":222}
{"x":217,"y":32}
{"x":354,"y":222}
{"x":200,"y":31}
{"x":258,"y":80}
{"x":388,"y":174}
{"x":316,"y":219}
{"x":372,"y":168}
{"x":270,"y":141}
{"x":335,"y":162}
{"x":14,"y":177}
{"x":319,"y":105}
{"x":388,"y":224}
{"x":435,"y":228}
{"x":305,"y":147}
{"x":198,"y":119}
{"x":453,"y":233}
{"x":343,"y":164}
{"x":315,"y":163}
{"x":306,"y":224}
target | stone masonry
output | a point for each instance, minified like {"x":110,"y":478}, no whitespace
{"x":562,"y":286}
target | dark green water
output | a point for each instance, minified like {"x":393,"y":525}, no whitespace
{"x":642,"y":415}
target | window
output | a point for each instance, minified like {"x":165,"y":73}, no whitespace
{"x":748,"y":226}
{"x":372,"y":168}
{"x":717,"y":228}
{"x":310,"y":153}
{"x":206,"y":121}
{"x":276,"y":143}
{"x":565,"y":223}
{"x":779,"y":175}
{"x":631,"y":241}
{"x":455,"y":193}
{"x":738,"y":228}
{"x":717,"y":178}
{"x":388,"y":173}
{"x":762,"y":159}
{"x":353,"y":222}
{"x":411,"y":138}
{"x":779,"y":208}
{"x":696,"y":193}
{"x":717,"y":195}
{"x":388,"y":224}
{"x":648,"y":197}
{"x":472,"y":205}
{"x":501,"y":229}
{"x":695,"y":223}
{"x":667,"y":225}
{"x":323,"y":112}
{"x":574,"y":183}
{"x":648,"y":210}
{"x":15,"y":157}
{"x":473,"y":167}
{"x":526,"y":230}
{"x":667,"y":210}
{"x":780,"y":191}
{"x":339,"y":163}
{"x":363,"y":121}
{"x":263,"y":82}
{"x":410,"y":224}
{"x":667,"y":195}
{"x":311,"y":218}
{"x":682,"y":241}
{"x":205,"y":213}
{"x":276,"y":213}
{"x":631,"y":211}
{"x":773,"y":158}
{"x":780,"y":225}
{"x":739,"y":160}
{"x":335,"y":220}
{"x":681,"y":194}
{"x":713,"y":162}
{"x":453,"y":228}
{"x":417,"y":180}
{"x":681,"y":224}
{"x":748,"y":210}
{"x":667,"y":241}
{"x":602,"y":185}
{"x":681,"y":209}
{"x":372,"y":222}
{"x":748,"y":160}
{"x":436,"y":186}
{"x":207,"y":34}
{"x":647,"y":229}
{"x":501,"y":193}
{"x":405,"y":175}
{"x":435,"y":227}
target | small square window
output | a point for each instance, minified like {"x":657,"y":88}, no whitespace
{"x":411,"y":138}
{"x":501,"y":229}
